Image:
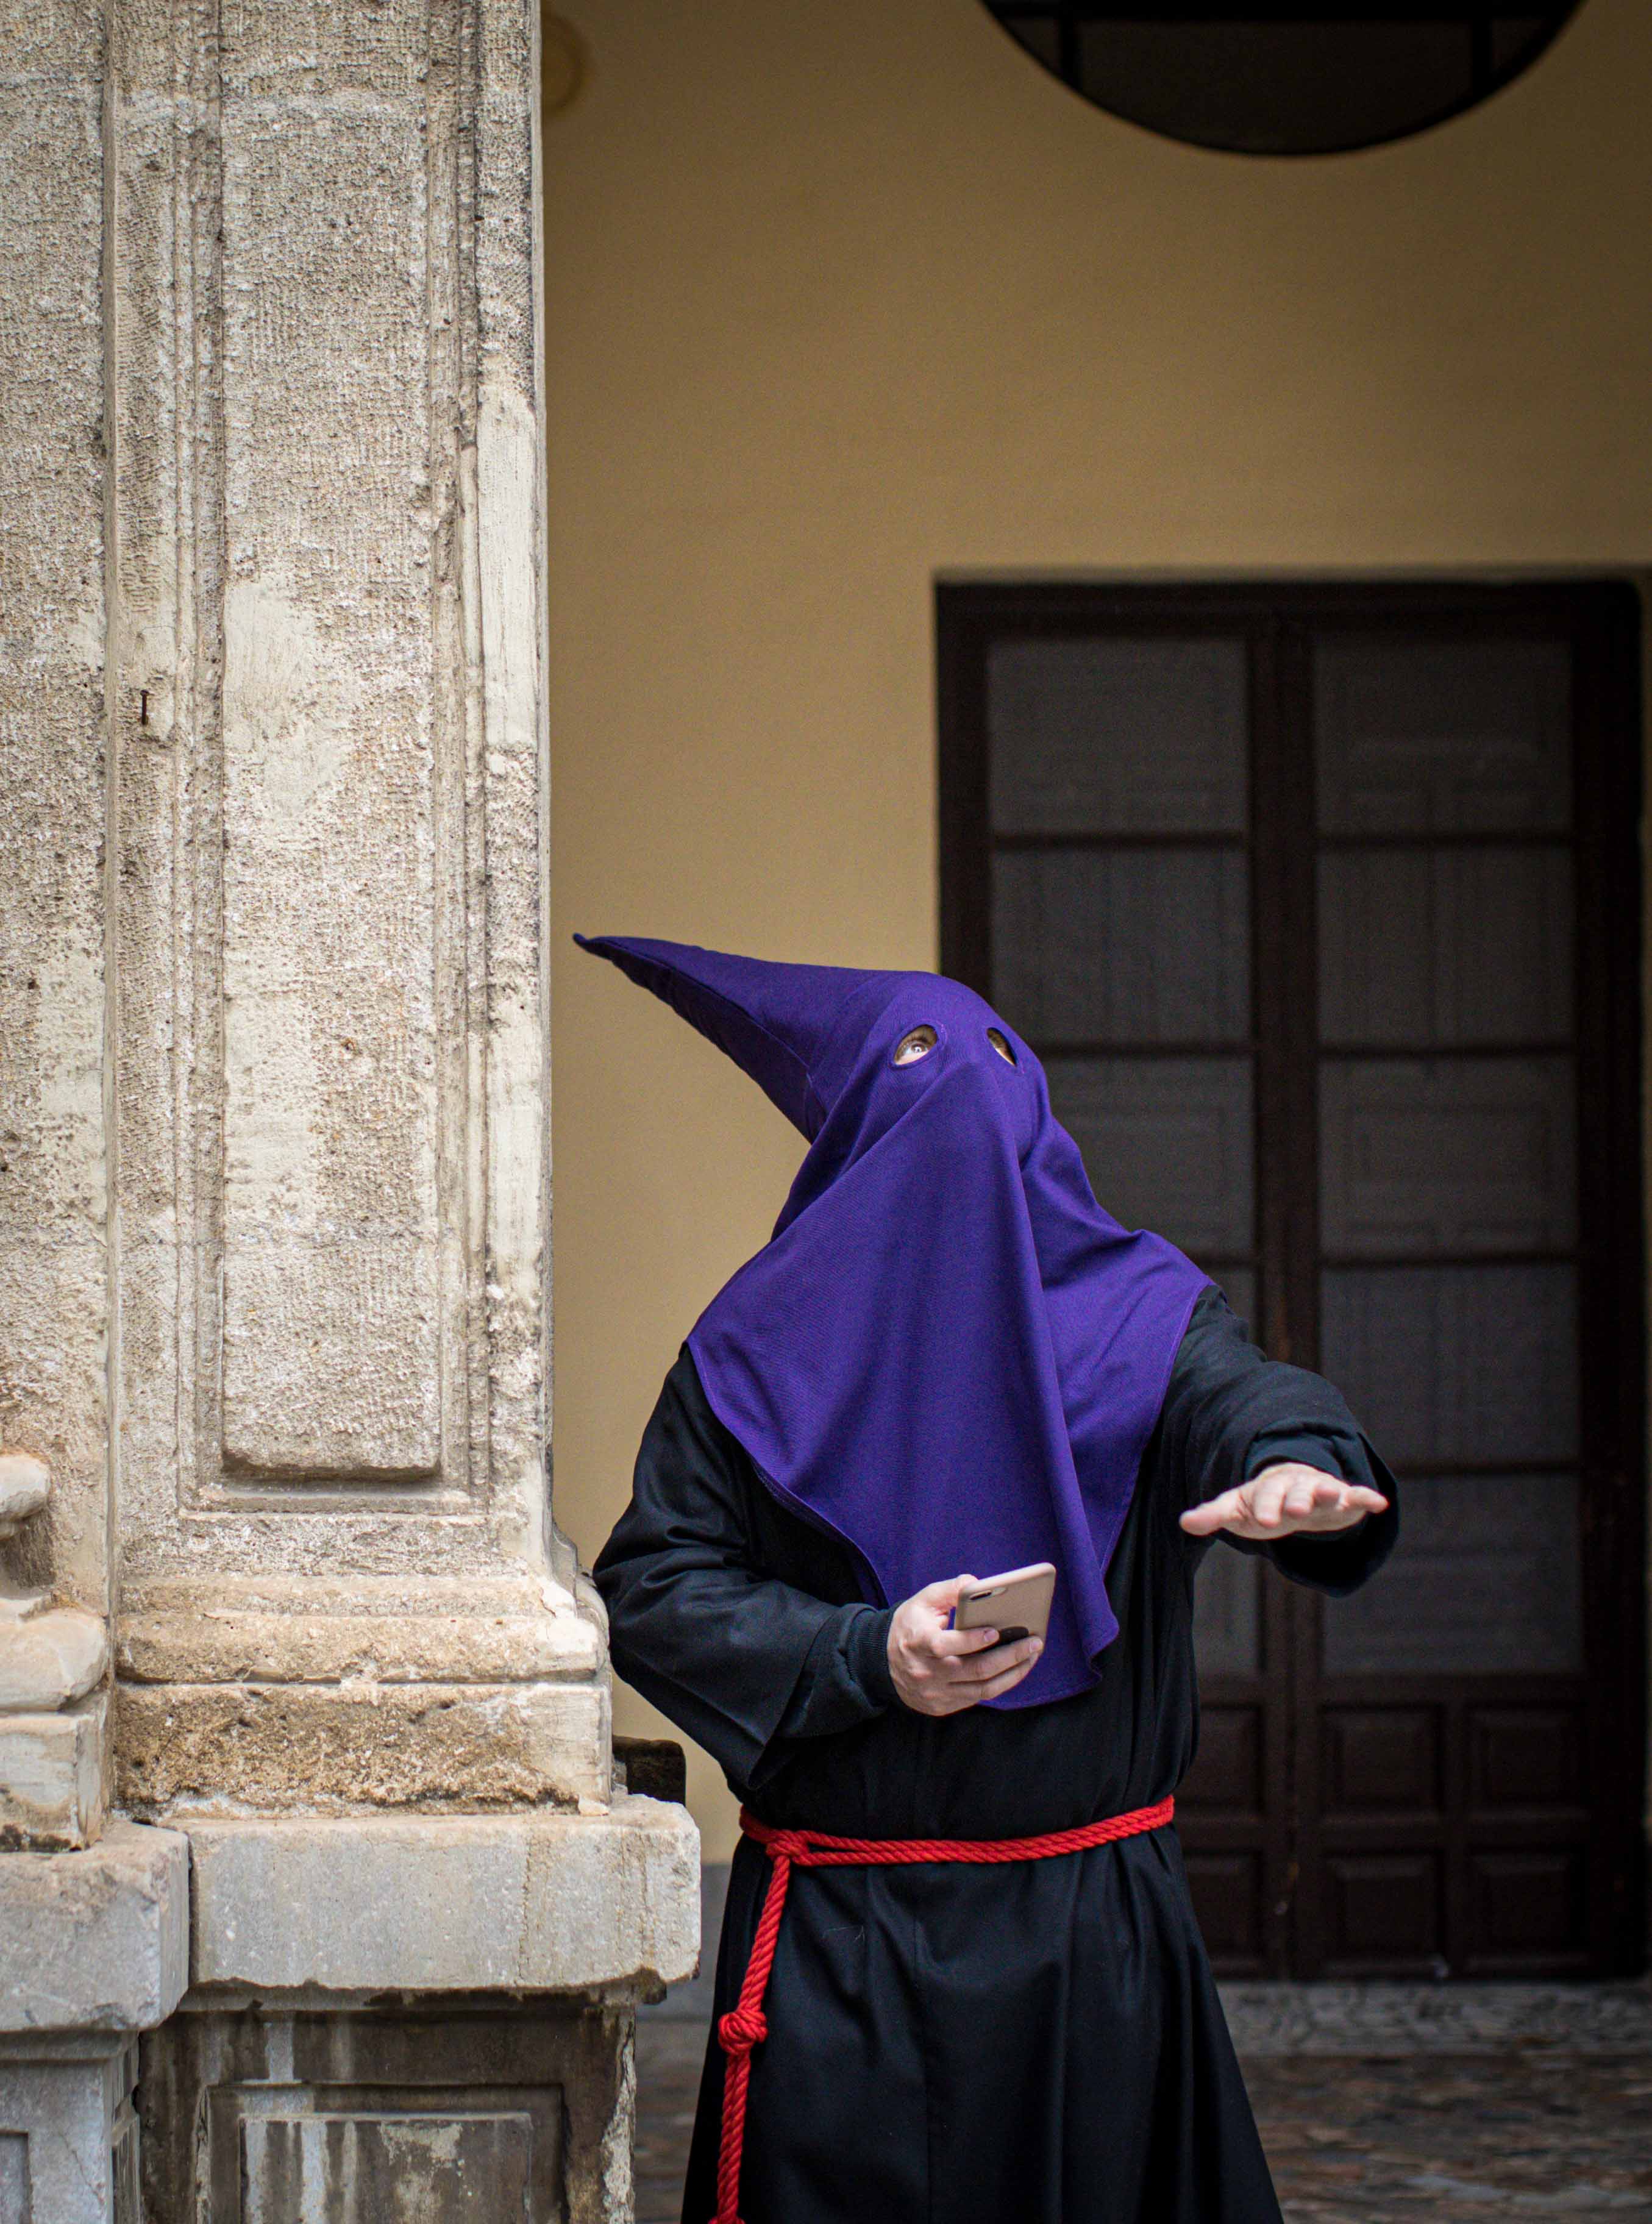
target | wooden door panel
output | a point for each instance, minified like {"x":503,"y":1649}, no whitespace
{"x":1465,"y":1362}
{"x":1131,"y":736}
{"x":1530,"y":1759}
{"x":1175,"y":1138}
{"x":1484,"y":1580}
{"x":1417,"y":735}
{"x":1527,"y":1910}
{"x":1321,"y":903}
{"x":1383,"y":1759}
{"x":1126,"y":945}
{"x":1453,"y":1155}
{"x":1449,"y":1365}
{"x":1383,"y":1913}
{"x":1471,"y":946}
{"x":1228,"y":1897}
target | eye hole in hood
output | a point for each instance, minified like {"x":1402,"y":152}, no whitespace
{"x":1000,"y":1044}
{"x":916,"y":1043}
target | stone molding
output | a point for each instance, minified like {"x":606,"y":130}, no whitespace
{"x":51,"y":1660}
{"x":458,"y":1903}
{"x":441,"y":2110}
{"x":54,"y":1716}
{"x":68,"y":2150}
{"x":52,"y":1778}
{"x":97,"y":1941}
{"x":359,"y":1747}
{"x":512,"y":1630}
{"x":25,"y":1486}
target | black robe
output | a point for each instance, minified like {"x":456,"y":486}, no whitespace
{"x":1038,"y":2043}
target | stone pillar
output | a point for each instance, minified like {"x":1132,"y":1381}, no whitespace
{"x":93,"y":1922}
{"x":274,"y":1129}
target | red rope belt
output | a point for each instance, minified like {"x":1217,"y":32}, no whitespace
{"x":745,"y":2026}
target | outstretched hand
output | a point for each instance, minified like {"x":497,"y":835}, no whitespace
{"x":939,"y":1670}
{"x":1286,"y":1500}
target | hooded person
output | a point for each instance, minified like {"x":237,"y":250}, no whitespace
{"x":960,"y":1972}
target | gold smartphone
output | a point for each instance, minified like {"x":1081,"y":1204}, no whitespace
{"x":1016,"y":1605}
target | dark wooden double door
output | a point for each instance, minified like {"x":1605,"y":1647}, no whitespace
{"x":1320,"y":906}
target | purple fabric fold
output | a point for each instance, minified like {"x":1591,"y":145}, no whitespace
{"x":947,"y":1354}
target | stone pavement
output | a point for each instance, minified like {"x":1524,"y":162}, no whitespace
{"x":1534,"y":2131}
{"x":669,"y":2055}
{"x":1457,"y":2139}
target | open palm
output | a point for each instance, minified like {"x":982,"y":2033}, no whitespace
{"x":1286,"y":1499}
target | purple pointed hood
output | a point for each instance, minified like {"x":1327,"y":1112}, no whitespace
{"x":948,"y":1355}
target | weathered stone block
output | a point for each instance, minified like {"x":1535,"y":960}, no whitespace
{"x":477,"y":2113}
{"x":50,"y":1659}
{"x":25,"y":1486}
{"x":52,"y":1777}
{"x":453,"y":1904}
{"x":353,"y":1748}
{"x":68,"y":2131}
{"x":443,"y":2165}
{"x":203,"y":1644}
{"x":95,"y":1941}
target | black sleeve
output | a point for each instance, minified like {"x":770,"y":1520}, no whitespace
{"x":743,"y":1663}
{"x":1229,"y":1411}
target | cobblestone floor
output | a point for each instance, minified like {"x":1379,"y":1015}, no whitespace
{"x":1455,"y":2138}
{"x":668,"y":2079}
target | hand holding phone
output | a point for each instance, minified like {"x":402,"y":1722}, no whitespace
{"x":1016,"y":1604}
{"x":940,"y":1669}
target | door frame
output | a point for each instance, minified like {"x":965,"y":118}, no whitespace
{"x":1602,"y":616}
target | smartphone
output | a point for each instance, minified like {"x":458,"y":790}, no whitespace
{"x":1016,"y":1605}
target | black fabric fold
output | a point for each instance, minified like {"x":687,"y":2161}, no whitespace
{"x":742,"y":1661}
{"x":1042,"y":2042}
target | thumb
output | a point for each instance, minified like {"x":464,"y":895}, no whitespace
{"x":945,"y":1595}
{"x":1210,"y":1513}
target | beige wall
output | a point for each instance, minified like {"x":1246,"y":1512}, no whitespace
{"x":841,"y":298}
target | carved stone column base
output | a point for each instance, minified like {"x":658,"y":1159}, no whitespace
{"x":344,"y":1750}
{"x":360,"y":1696}
{"x":68,"y":2148}
{"x":94,"y":1948}
{"x":412,"y":1903}
{"x":492,"y":2108}
{"x":53,"y":1717}
{"x":416,"y":2015}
